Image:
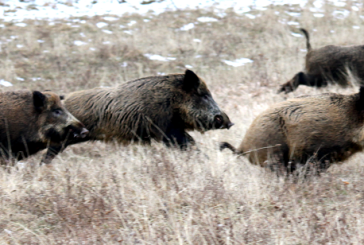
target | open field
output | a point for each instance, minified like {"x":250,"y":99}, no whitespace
{"x":96,"y":193}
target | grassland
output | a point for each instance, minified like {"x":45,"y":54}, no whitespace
{"x":96,"y":193}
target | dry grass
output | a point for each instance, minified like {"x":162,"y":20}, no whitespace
{"x":97,"y":193}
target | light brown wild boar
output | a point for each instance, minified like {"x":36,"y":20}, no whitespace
{"x":32,"y":121}
{"x":329,"y":64}
{"x":320,"y":129}
{"x":162,"y":108}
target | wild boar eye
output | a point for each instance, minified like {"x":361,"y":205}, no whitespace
{"x":57,"y":112}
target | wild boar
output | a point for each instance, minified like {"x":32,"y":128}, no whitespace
{"x":321,"y":129}
{"x":329,"y":64}
{"x":162,"y":108}
{"x":31,"y":121}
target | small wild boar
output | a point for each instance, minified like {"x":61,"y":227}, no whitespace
{"x":319,"y":129}
{"x":328,"y":64}
{"x":32,"y":121}
{"x":162,"y":108}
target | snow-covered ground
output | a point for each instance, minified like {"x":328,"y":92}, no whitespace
{"x":15,"y":10}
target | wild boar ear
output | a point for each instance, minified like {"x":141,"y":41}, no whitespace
{"x":39,"y":101}
{"x":191,"y":81}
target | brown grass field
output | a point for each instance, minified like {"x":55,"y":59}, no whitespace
{"x":96,"y":193}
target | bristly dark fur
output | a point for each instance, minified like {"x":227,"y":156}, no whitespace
{"x":32,"y":121}
{"x":162,"y":108}
{"x":329,"y":64}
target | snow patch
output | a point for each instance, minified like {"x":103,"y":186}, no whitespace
{"x":110,"y":18}
{"x":318,"y":15}
{"x":237,"y":62}
{"x":79,"y":43}
{"x":107,"y":31}
{"x":21,"y":24}
{"x":207,"y":19}
{"x":159,"y":57}
{"x":250,"y":16}
{"x":187,"y":27}
{"x":101,"y":24}
{"x":5,"y":83}
{"x":296,"y":34}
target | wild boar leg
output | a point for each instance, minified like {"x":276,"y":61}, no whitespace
{"x":178,"y":137}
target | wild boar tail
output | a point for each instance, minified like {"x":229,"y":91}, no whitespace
{"x":307,"y":39}
{"x":224,"y":145}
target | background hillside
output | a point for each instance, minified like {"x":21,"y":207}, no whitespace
{"x":96,"y":193}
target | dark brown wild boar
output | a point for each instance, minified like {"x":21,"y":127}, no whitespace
{"x":329,"y":64}
{"x":320,"y":129}
{"x":162,"y":108}
{"x":32,"y":121}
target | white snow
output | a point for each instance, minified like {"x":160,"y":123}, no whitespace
{"x":21,"y":24}
{"x":318,"y":15}
{"x":341,"y":14}
{"x":16,"y":10}
{"x":293,"y":23}
{"x":187,"y":27}
{"x":107,"y":31}
{"x":237,"y":62}
{"x":340,"y":3}
{"x":296,"y":34}
{"x":101,"y":24}
{"x":250,"y":16}
{"x":79,"y":43}
{"x":110,"y":18}
{"x":207,"y":19}
{"x":158,"y":57}
{"x":132,"y":23}
{"x":294,"y":14}
{"x":5,"y":83}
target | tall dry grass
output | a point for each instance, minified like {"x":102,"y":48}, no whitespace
{"x":96,"y":193}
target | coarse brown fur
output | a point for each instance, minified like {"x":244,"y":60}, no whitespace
{"x":32,"y":121}
{"x":162,"y":108}
{"x":329,"y":64}
{"x":319,"y":129}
